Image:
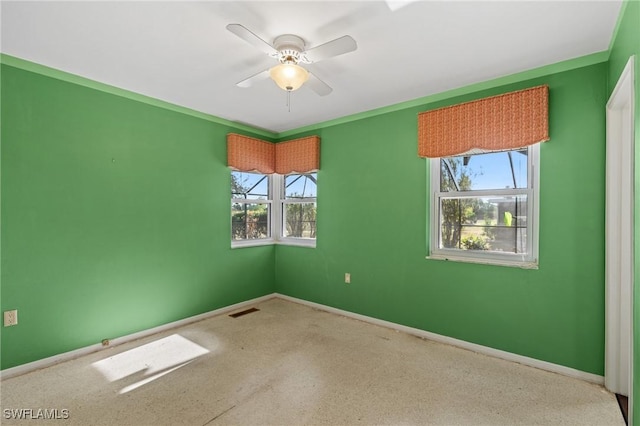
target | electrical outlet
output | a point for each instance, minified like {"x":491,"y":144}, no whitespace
{"x":10,"y":318}
{"x":347,"y":278}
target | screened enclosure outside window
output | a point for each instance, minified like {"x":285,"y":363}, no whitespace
{"x":250,"y":206}
{"x":299,"y":205}
{"x":273,"y":208}
{"x":484,"y":207}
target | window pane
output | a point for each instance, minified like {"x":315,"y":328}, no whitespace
{"x":253,"y":186}
{"x":488,"y":223}
{"x":300,"y":220}
{"x":249,"y":221}
{"x":301,"y":186}
{"x":496,"y":170}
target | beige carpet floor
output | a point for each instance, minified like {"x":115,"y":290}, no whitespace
{"x":289,"y":364}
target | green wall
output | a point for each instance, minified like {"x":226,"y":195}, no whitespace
{"x":372,"y":222}
{"x":115,"y":217}
{"x":626,"y":44}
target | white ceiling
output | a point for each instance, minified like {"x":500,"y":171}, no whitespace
{"x":181,"y":52}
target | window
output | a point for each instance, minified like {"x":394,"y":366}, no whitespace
{"x":250,"y":208}
{"x":261,"y":215}
{"x":484,"y":207}
{"x":298,"y":208}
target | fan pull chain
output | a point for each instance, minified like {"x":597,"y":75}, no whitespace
{"x":289,"y":100}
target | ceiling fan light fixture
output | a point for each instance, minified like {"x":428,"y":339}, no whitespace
{"x":289,"y":77}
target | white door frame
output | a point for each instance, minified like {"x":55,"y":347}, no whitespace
{"x":619,"y":261}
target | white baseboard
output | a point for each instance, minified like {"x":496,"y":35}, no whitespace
{"x":520,"y":359}
{"x":66,"y":356}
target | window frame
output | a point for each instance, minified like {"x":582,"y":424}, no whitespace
{"x":279,"y":182}
{"x":275,"y":219}
{"x":270,"y":222}
{"x":528,"y":261}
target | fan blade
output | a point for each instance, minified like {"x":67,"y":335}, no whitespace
{"x":252,"y":39}
{"x":339,"y":46}
{"x":317,"y":85}
{"x":248,"y":82}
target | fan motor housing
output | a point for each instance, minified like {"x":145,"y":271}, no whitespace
{"x":289,"y":47}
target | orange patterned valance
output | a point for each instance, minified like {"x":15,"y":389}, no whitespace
{"x":254,"y":155}
{"x":250,"y":154}
{"x":499,"y":123}
{"x":298,"y":155}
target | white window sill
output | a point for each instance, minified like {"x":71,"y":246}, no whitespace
{"x":496,"y":262}
{"x":299,"y":242}
{"x":252,"y":243}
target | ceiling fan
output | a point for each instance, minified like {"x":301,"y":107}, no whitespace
{"x":289,"y":50}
